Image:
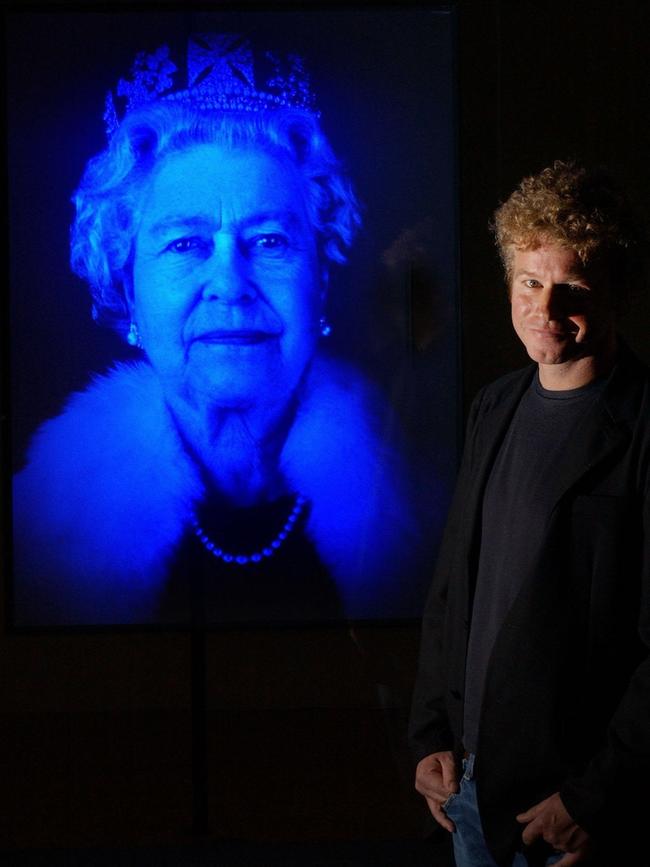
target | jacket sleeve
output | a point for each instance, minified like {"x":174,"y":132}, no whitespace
{"x":612,"y":792}
{"x":429,"y":729}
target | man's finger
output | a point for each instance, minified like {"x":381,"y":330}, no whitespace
{"x":429,"y":786}
{"x":440,"y":816}
{"x":531,"y":813}
{"x":531,"y":832}
{"x":449,"y":781}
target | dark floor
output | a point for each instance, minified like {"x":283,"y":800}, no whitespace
{"x":433,"y":852}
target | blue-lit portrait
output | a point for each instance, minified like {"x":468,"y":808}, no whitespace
{"x":233,"y":382}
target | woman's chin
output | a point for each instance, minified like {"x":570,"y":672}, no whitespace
{"x":240,"y":394}
{"x":203,"y":390}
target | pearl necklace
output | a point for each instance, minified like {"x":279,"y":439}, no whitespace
{"x":257,"y":556}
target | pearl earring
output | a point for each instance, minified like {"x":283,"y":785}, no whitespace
{"x":325,"y":327}
{"x":133,"y":336}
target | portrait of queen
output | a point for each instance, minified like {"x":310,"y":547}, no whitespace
{"x":229,"y":446}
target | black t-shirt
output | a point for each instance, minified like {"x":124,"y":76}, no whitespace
{"x":514,"y":503}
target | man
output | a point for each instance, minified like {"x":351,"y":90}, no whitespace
{"x":531,"y":712}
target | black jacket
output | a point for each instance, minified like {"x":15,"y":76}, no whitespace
{"x":567,"y":696}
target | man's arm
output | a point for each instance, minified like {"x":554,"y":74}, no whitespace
{"x":429,"y":730}
{"x":609,"y":780}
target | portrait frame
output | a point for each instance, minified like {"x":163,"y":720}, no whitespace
{"x":399,"y":106}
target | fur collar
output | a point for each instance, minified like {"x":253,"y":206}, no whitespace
{"x":107,"y":491}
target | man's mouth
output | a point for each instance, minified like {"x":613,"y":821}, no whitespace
{"x":549,"y":332}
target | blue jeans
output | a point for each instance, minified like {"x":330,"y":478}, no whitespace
{"x":470,"y":849}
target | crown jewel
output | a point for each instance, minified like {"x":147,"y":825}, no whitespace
{"x":220,"y":73}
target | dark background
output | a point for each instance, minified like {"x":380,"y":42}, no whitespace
{"x":96,"y":728}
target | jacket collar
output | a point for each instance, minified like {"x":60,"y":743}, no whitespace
{"x":604,"y":428}
{"x":607,"y":426}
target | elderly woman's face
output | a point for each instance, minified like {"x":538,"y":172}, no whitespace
{"x":226,"y":283}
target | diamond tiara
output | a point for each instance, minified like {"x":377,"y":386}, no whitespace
{"x":220,"y":74}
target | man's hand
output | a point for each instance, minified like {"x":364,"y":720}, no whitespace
{"x":549,"y":819}
{"x":435,"y":778}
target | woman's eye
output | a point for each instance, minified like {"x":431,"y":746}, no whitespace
{"x":577,"y":288}
{"x":186,"y":245}
{"x":532,"y":284}
{"x":269,"y":242}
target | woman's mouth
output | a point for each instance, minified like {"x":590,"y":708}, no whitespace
{"x":236,"y":337}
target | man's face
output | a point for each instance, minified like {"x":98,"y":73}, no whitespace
{"x":561,"y":311}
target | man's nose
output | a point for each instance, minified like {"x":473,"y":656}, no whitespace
{"x":551,"y":302}
{"x":225,"y":275}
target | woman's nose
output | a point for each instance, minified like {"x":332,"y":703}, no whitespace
{"x":226,"y":276}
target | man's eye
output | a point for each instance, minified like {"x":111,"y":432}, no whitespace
{"x":532,"y":284}
{"x":577,"y":288}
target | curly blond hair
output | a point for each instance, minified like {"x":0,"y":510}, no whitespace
{"x":581,"y":209}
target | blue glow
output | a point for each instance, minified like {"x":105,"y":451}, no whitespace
{"x":232,"y":396}
{"x":107,"y":497}
{"x":237,"y":398}
{"x":226,"y":286}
